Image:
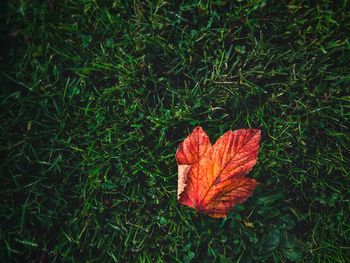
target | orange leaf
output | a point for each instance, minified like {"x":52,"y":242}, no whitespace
{"x":211,"y":178}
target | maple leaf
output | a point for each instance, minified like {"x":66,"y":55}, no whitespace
{"x":212,"y":178}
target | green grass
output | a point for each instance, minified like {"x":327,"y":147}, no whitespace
{"x":97,"y":95}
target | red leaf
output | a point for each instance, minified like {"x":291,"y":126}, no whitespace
{"x":212,"y":178}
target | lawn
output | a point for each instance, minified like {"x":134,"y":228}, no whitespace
{"x":97,"y":95}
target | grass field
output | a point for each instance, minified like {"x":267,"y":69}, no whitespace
{"x":97,"y":95}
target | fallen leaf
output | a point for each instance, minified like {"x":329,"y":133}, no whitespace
{"x":211,"y":178}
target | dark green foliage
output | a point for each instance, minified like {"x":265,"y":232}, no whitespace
{"x":97,"y":95}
